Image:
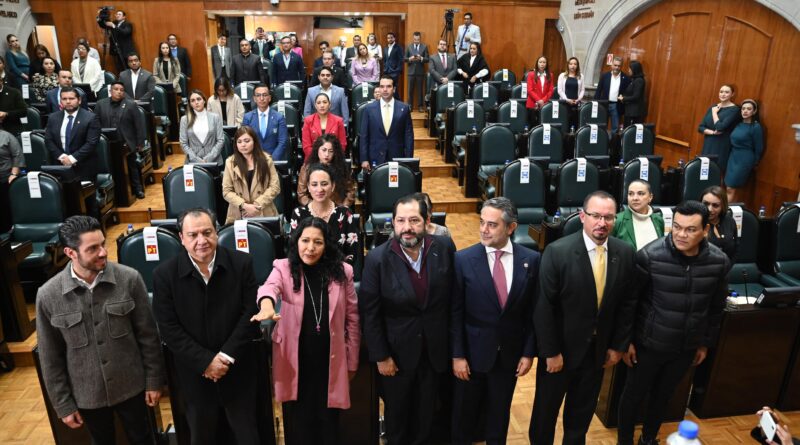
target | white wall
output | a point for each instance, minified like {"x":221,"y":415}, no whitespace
{"x":21,"y":25}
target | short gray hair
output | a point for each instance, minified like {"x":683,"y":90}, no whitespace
{"x":618,"y":59}
{"x":194,"y":213}
{"x":505,"y":205}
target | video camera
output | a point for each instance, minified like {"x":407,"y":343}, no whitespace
{"x":104,"y":15}
{"x":448,"y":18}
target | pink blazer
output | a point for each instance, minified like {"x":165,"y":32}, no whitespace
{"x":344,"y":326}
{"x":312,"y":130}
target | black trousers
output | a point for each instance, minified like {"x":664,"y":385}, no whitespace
{"x":133,"y":415}
{"x":5,"y":207}
{"x":416,"y":89}
{"x":409,"y":400}
{"x":656,"y":373}
{"x":240,"y":412}
{"x":486,"y":395}
{"x":580,"y":386}
{"x":307,"y":424}
{"x":134,"y":173}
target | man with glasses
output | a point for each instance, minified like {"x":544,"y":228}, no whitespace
{"x":269,"y":124}
{"x":677,"y":320}
{"x":583,"y":319}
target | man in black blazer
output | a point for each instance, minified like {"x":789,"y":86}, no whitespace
{"x":352,"y":51}
{"x":491,"y":333}
{"x":71,"y":136}
{"x":53,"y":97}
{"x":393,"y":60}
{"x":122,"y":32}
{"x":203,"y":300}
{"x":583,"y":320}
{"x":286,"y":64}
{"x":339,"y":76}
{"x":12,"y":108}
{"x":263,"y":44}
{"x":181,"y":54}
{"x":246,"y":66}
{"x":139,"y":83}
{"x":612,"y":84}
{"x":404,"y":302}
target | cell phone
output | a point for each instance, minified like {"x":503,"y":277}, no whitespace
{"x":768,"y":425}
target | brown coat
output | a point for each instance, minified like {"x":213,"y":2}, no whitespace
{"x":235,"y":191}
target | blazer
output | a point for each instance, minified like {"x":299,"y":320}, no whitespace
{"x":478,"y":65}
{"x":474,"y":34}
{"x":338,"y":99}
{"x":416,"y":68}
{"x":145,"y":85}
{"x":535,"y":90}
{"x":173,"y":74}
{"x":82,"y":144}
{"x":53,"y":100}
{"x":209,"y":150}
{"x":349,"y":55}
{"x":345,"y":333}
{"x":11,"y":102}
{"x":605,"y":84}
{"x":123,"y":33}
{"x":247,"y":69}
{"x":130,"y":126}
{"x":624,"y":230}
{"x":369,"y":73}
{"x":184,"y":60}
{"x":377,"y":146}
{"x":395,"y":324}
{"x":266,"y":47}
{"x":312,"y":130}
{"x":566,"y":314}
{"x":339,"y":76}
{"x":234,"y":109}
{"x":480,"y":327}
{"x":217,"y":63}
{"x":197,"y":320}
{"x":393,"y":62}
{"x":92,"y":74}
{"x":438,"y":72}
{"x":274,"y":138}
{"x":562,"y":82}
{"x":295,"y":71}
{"x":635,"y":98}
{"x":236,"y":192}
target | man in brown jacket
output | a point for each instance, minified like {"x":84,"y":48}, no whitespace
{"x":98,"y":343}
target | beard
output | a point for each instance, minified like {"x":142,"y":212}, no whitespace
{"x":411,"y":242}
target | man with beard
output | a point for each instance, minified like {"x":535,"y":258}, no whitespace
{"x":98,"y":342}
{"x":491,"y":335}
{"x":404,"y":302}
{"x":583,"y":318}
{"x":612,"y":84}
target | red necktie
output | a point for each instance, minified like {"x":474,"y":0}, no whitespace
{"x":444,"y":61}
{"x":499,"y":278}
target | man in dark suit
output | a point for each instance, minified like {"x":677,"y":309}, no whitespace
{"x":12,"y":108}
{"x":339,"y":76}
{"x":139,"y":83}
{"x":246,"y":66}
{"x":203,"y":300}
{"x":263,"y":44}
{"x":269,"y":124}
{"x":122,"y":32}
{"x":53,"y":97}
{"x":181,"y":54}
{"x":583,"y":319}
{"x":491,"y":335}
{"x":287,"y":65}
{"x":416,"y":57}
{"x":386,"y":130}
{"x":221,"y":58}
{"x":612,"y":84}
{"x":117,"y":111}
{"x":405,"y":303}
{"x":442,"y":66}
{"x":352,"y":51}
{"x":323,"y":46}
{"x":393,"y":60}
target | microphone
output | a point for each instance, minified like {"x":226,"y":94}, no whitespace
{"x":744,"y":275}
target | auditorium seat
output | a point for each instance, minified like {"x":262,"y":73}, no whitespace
{"x":287,"y":92}
{"x":572,"y":224}
{"x":178,"y":199}
{"x":34,"y":120}
{"x":693,"y":181}
{"x":447,"y":96}
{"x":518,"y":123}
{"x":633,"y":149}
{"x":744,"y":277}
{"x":546,"y":115}
{"x":109,"y":78}
{"x":462,"y":124}
{"x":259,"y":244}
{"x":538,"y":145}
{"x":104,"y":182}
{"x":529,"y":198}
{"x":144,"y":158}
{"x":380,"y":197}
{"x":160,"y":109}
{"x":496,"y":148}
{"x":245,"y":91}
{"x":586,"y":115}
{"x":787,"y":245}
{"x":488,"y":93}
{"x":517,"y":92}
{"x":506,"y":77}
{"x":632,"y":170}
{"x":39,"y":154}
{"x":361,"y":93}
{"x":131,"y":252}
{"x":590,"y":147}
{"x":571,"y":191}
{"x":352,"y":145}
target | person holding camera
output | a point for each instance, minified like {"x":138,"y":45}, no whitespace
{"x":122,"y":33}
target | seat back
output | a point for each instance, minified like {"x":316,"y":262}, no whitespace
{"x":178,"y":199}
{"x":381,"y":197}
{"x":692,"y":183}
{"x":745,"y":270}
{"x":103,"y":155}
{"x":131,"y":252}
{"x":589,"y":143}
{"x":538,"y":144}
{"x":109,"y":78}
{"x":287,"y":91}
{"x":34,"y":120}
{"x":361,"y":93}
{"x":36,"y":219}
{"x":447,"y":97}
{"x":561,"y":116}
{"x":227,"y":148}
{"x":633,"y":171}
{"x":529,"y":197}
{"x":572,"y":224}
{"x":592,"y":113}
{"x":570,"y":191}
{"x":39,"y":154}
{"x":633,"y":149}
{"x":786,"y":242}
{"x":159,"y":101}
{"x":289,"y":112}
{"x":518,"y":90}
{"x":245,"y":90}
{"x":497,"y":145}
{"x":463,"y":123}
{"x":182,"y":83}
{"x":506,"y":76}
{"x":516,"y":123}
{"x":102,"y":93}
{"x":487,"y":93}
{"x":260,"y":244}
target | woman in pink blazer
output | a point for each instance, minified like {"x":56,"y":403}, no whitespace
{"x":316,"y":340}
{"x":322,"y":122}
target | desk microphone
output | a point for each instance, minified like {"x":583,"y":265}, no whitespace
{"x":744,"y":275}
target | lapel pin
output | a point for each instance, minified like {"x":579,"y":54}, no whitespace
{"x":525,"y":265}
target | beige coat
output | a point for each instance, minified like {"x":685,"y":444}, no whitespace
{"x":234,"y":190}
{"x":233,"y":107}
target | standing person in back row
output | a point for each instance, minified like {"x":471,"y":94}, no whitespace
{"x":386,"y":130}
{"x":677,"y":320}
{"x":583,"y":320}
{"x":416,"y":57}
{"x":393,"y":60}
{"x":467,"y":33}
{"x":612,"y":84}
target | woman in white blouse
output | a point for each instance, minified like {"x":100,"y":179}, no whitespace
{"x":201,"y":132}
{"x":87,"y":70}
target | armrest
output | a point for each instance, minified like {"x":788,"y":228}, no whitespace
{"x":787,"y":279}
{"x":771,"y":281}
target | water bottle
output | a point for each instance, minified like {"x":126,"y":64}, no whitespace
{"x":474,"y":128}
{"x":557,"y":217}
{"x":374,"y":164}
{"x":621,"y":128}
{"x":508,"y":161}
{"x":129,"y":230}
{"x":23,"y":172}
{"x":681,"y":162}
{"x":526,"y":129}
{"x":686,"y":434}
{"x":387,"y":225}
{"x":621,"y":163}
{"x":169,"y":170}
{"x":572,"y":129}
{"x":762,"y":212}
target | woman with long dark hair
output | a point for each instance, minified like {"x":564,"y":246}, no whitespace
{"x":201,"y":134}
{"x":723,"y":232}
{"x":322,"y":122}
{"x":747,"y":145}
{"x":226,"y":103}
{"x":315,"y":343}
{"x":327,"y":150}
{"x":570,"y":83}
{"x":472,"y":67}
{"x":40,"y":53}
{"x":250,"y":182}
{"x":540,"y":84}
{"x":46,"y":80}
{"x":635,"y":96}
{"x":167,"y":69}
{"x":364,"y":68}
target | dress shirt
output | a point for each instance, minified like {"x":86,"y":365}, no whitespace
{"x":479,"y":74}
{"x":326,"y":91}
{"x":416,"y":265}
{"x":174,"y":51}
{"x":206,"y":280}
{"x":221,"y":55}
{"x":200,"y":126}
{"x":83,"y":283}
{"x":542,"y":79}
{"x":64,"y":123}
{"x":590,"y":248}
{"x":389,"y":50}
{"x":507,"y":259}
{"x":613,"y":87}
{"x":286,"y":59}
{"x":387,"y":110}
{"x":134,"y":79}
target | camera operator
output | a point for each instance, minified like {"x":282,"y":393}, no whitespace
{"x":121,"y":35}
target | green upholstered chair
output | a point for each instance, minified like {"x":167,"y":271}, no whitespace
{"x":144,"y":158}
{"x":462,"y":124}
{"x":528,"y":198}
{"x":517,"y":91}
{"x":380,"y":198}
{"x":131,"y":252}
{"x":584,"y":144}
{"x":496,"y":148}
{"x":570,"y":192}
{"x":109,"y":78}
{"x":287,"y":91}
{"x":516,"y":124}
{"x":34,"y":120}
{"x":360,"y":94}
{"x":745,"y":277}
{"x":585,"y":114}
{"x":631,"y":149}
{"x":261,"y":247}
{"x":245,"y":91}
{"x":39,"y":154}
{"x":104,"y":181}
{"x":447,"y":98}
{"x":546,"y":115}
{"x":554,"y":150}
{"x":508,"y":82}
{"x":787,"y":246}
{"x":692,"y":183}
{"x":177,"y":199}
{"x":488,"y":93}
{"x":572,"y":224}
{"x":632,"y":171}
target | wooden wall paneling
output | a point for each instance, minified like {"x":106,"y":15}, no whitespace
{"x":384,"y":24}
{"x":552,"y":48}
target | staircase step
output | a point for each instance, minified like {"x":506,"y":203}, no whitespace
{"x":418,"y":119}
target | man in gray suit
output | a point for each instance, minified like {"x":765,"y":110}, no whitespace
{"x":442,"y":66}
{"x":467,"y":33}
{"x":416,"y":57}
{"x":139,"y":83}
{"x":221,"y":58}
{"x":335,"y":94}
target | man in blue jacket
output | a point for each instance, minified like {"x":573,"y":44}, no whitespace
{"x":393,"y":60}
{"x":612,"y":84}
{"x":386,"y":130}
{"x":269,"y":124}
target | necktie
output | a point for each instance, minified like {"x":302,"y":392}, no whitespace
{"x":499,"y":278}
{"x":416,"y":48}
{"x":67,"y":134}
{"x":599,"y":272}
{"x":387,"y":118}
{"x":464,"y":37}
{"x":262,"y":125}
{"x":444,"y":61}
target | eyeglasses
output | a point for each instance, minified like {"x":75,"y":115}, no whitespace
{"x":597,"y":217}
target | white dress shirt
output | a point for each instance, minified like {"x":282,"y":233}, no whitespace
{"x":507,"y":260}
{"x":613,"y":87}
{"x":590,"y":249}
{"x":134,"y":79}
{"x":387,"y":107}
{"x":74,"y":115}
{"x":416,"y":265}
{"x":200,"y":126}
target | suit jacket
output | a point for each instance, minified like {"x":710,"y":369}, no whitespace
{"x":130,"y":125}
{"x":53,"y":100}
{"x":395,"y":324}
{"x":274,"y":140}
{"x":312,"y":130}
{"x":635,"y":98}
{"x":416,"y":68}
{"x":349,"y":55}
{"x":217,"y":63}
{"x":567,"y":315}
{"x":198,"y":320}
{"x":377,"y":146}
{"x":92,"y":74}
{"x":393,"y":62}
{"x":339,"y":76}
{"x":339,"y":105}
{"x":480,"y":327}
{"x":144,"y":85}
{"x":345,"y":338}
{"x":172,"y":76}
{"x":605,"y":84}
{"x":183,"y":59}
{"x":234,"y":109}
{"x":296,"y":70}
{"x":437,"y":71}
{"x":247,"y":69}
{"x":266,"y":47}
{"x":82,"y":144}
{"x":11,"y":102}
{"x":474,"y":34}
{"x":209,"y":150}
{"x":123,"y":33}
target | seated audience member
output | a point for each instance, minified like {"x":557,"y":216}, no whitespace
{"x":45,"y":80}
{"x":166,"y":68}
{"x":226,"y":103}
{"x":318,"y":354}
{"x":273,"y":135}
{"x":181,"y":54}
{"x":363,"y":68}
{"x":93,"y":53}
{"x":430,"y":227}
{"x":12,"y":108}
{"x":328,"y":150}
{"x":139,"y":83}
{"x":246,"y":66}
{"x":322,"y":122}
{"x":747,"y":145}
{"x":634,"y":98}
{"x":11,"y":162}
{"x":442,"y":66}
{"x":336,"y":95}
{"x":339,"y":74}
{"x":287,"y":64}
{"x":120,"y":112}
{"x":321,"y":184}
{"x":201,"y":132}
{"x":472,"y":67}
{"x":782,"y":432}
{"x":539,"y":87}
{"x":87,"y":70}
{"x":250,"y":183}
{"x":53,"y":96}
{"x":41,"y":53}
{"x":638,"y":224}
{"x":723,"y":232}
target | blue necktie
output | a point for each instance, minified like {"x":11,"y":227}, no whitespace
{"x":263,"y":125}
{"x":67,"y":134}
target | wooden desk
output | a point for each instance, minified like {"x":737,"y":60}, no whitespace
{"x":75,"y":195}
{"x":16,"y":325}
